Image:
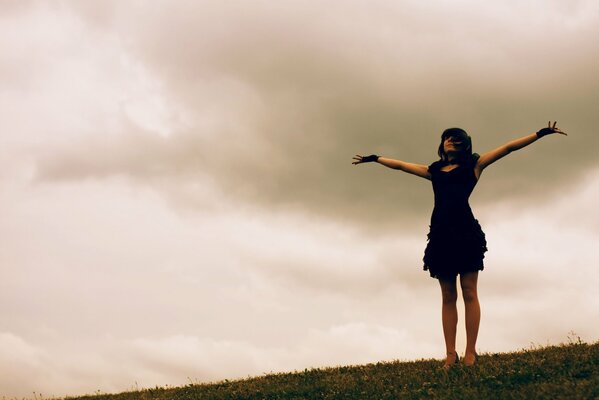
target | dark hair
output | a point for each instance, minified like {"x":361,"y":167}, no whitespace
{"x":460,"y":134}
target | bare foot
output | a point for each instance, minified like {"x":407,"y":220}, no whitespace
{"x":470,"y":359}
{"x":451,"y":360}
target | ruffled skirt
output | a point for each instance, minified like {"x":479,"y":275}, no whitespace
{"x":454,"y":251}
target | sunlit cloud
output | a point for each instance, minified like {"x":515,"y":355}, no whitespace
{"x":178,"y":200}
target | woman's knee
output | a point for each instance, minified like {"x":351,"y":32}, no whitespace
{"x":469,"y":286}
{"x":449,"y":296}
{"x":469,"y":294}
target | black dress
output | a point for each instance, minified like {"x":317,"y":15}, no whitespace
{"x":456,"y":242}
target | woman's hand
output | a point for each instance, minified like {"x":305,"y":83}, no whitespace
{"x":549,"y":130}
{"x":361,"y":159}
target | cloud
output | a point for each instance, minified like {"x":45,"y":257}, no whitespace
{"x":176,"y":184}
{"x":272,"y":292}
{"x":541,"y":263}
{"x":21,"y":364}
{"x":176,"y":360}
{"x":272,"y":102}
{"x":353,"y":342}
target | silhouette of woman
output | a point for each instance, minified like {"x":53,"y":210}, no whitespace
{"x":456,"y":242}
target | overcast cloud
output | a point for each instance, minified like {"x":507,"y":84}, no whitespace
{"x":178,"y":201}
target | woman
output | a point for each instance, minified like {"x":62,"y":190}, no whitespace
{"x":456,"y":242}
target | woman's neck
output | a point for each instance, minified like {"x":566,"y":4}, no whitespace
{"x":452,"y":158}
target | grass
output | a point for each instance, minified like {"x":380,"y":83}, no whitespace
{"x":567,"y":371}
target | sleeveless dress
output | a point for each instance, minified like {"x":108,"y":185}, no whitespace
{"x":456,"y":242}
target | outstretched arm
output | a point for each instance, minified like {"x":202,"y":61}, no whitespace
{"x":490,"y":157}
{"x":415,"y":169}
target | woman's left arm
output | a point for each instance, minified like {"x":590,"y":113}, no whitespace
{"x":490,"y":157}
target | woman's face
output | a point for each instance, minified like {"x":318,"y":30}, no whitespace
{"x":454,"y":144}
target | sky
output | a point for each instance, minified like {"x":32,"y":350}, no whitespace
{"x":178,"y":203}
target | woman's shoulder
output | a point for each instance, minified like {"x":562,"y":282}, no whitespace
{"x":470,"y":160}
{"x":436,"y":166}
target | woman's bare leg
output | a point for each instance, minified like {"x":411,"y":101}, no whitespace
{"x":468,"y":282}
{"x":449,"y":316}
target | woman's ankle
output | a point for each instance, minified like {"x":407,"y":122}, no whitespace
{"x":470,"y":358}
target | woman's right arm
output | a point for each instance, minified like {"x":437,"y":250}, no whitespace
{"x":411,"y":168}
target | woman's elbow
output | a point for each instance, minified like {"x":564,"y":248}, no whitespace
{"x":507,"y":149}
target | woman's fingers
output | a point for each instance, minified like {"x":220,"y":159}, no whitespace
{"x":548,"y":130}
{"x":556,"y":129}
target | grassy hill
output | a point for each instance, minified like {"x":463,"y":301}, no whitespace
{"x":568,"y":371}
